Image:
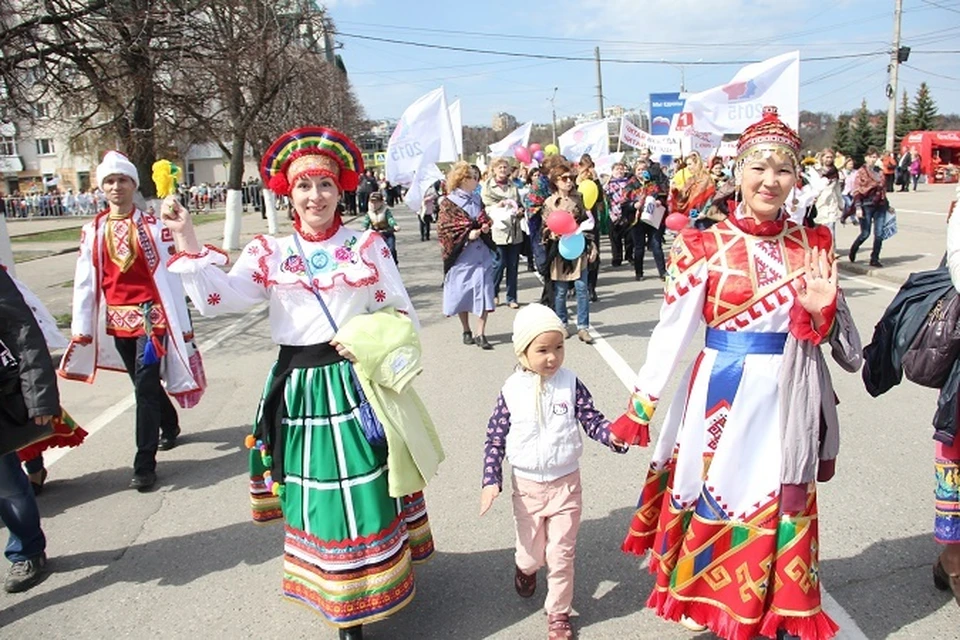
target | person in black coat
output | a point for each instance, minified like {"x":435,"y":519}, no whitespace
{"x":29,"y":399}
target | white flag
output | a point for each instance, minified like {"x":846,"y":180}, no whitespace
{"x":424,"y":177}
{"x":603,"y":165}
{"x":632,"y":135}
{"x":422,"y":137}
{"x":456,"y":123}
{"x":589,"y":137}
{"x":519,"y":137}
{"x":733,"y":107}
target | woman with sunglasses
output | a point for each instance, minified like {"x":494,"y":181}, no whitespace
{"x":563,"y":272}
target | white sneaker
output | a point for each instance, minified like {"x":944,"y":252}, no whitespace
{"x":690,"y":625}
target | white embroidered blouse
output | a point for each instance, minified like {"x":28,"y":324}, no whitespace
{"x":353,"y":271}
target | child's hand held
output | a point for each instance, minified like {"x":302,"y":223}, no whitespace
{"x":487,"y":496}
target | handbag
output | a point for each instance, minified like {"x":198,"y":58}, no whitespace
{"x":931,"y":356}
{"x":369,"y":422}
{"x":889,"y":228}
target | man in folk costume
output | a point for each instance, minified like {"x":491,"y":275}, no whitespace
{"x":130,"y":314}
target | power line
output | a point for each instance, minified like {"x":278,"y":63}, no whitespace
{"x":546,"y":56}
{"x":930,"y":73}
{"x":940,"y":6}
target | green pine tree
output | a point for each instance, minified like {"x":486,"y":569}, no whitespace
{"x":904,"y":120}
{"x":842,"y":141}
{"x":862,"y":134}
{"x":924,"y":110}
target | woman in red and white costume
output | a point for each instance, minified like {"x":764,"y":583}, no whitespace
{"x":729,"y":509}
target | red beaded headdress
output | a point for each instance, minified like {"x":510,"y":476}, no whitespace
{"x":311,"y":151}
{"x":769,"y":135}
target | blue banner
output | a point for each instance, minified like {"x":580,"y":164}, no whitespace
{"x":663,"y":106}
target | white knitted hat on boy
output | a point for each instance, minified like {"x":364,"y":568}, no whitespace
{"x":531,"y":321}
{"x":113,"y":163}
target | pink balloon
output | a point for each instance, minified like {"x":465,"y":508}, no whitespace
{"x":538,"y":155}
{"x":534,"y":148}
{"x":677,"y":221}
{"x":561,"y":222}
{"x":522,"y":154}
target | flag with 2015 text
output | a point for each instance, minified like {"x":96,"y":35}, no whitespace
{"x":423,"y":136}
{"x":732,"y":107}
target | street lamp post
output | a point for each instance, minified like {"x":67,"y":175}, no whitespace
{"x":683,"y":87}
{"x":553,"y":109}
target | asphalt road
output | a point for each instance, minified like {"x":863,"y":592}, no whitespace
{"x":186,"y":558}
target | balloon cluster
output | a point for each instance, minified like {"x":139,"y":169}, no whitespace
{"x":527,"y":155}
{"x":572,"y":242}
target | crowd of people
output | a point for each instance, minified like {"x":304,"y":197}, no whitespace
{"x":732,"y":484}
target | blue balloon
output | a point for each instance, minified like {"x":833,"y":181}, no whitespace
{"x":572,"y":245}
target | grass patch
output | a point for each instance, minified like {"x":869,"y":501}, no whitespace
{"x":57,"y":235}
{"x":207,"y":218}
{"x":63,"y":320}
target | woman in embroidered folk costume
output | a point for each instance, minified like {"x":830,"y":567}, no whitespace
{"x":946,"y":571}
{"x":349,"y":545}
{"x":728,"y":509}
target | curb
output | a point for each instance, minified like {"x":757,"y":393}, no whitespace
{"x":852,"y":268}
{"x":51,"y":254}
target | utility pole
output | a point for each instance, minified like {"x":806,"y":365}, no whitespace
{"x":892,"y":86}
{"x":553,"y":109}
{"x":596,"y":55}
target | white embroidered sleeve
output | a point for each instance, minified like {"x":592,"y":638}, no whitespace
{"x":85,"y":287}
{"x":680,"y":317}
{"x":215,"y":292}
{"x":388,"y":291}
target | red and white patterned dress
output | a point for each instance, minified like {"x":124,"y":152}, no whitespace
{"x":710,"y":510}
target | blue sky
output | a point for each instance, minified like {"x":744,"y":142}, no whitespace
{"x":387,"y":76}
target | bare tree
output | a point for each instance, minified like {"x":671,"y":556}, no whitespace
{"x":101,"y":64}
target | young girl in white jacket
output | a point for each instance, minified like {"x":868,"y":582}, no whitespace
{"x":536,"y":425}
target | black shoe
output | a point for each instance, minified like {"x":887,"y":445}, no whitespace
{"x":783,"y":635}
{"x":143,"y":481}
{"x":481,"y":342}
{"x":593,"y":296}
{"x":467,"y":337}
{"x":168,"y":442}
{"x":876,"y":263}
{"x":352,"y":633}
{"x":38,"y":486}
{"x":638,"y":277}
{"x":25,"y":574}
{"x":852,"y":255}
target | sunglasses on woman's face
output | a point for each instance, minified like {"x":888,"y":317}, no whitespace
{"x":566,"y":178}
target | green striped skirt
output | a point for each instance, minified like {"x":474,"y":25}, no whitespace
{"x":348,"y":546}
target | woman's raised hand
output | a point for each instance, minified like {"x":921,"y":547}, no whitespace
{"x":819,"y":287}
{"x":174,"y":215}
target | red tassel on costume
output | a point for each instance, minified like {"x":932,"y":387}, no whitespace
{"x":630,"y":431}
{"x":158,"y":346}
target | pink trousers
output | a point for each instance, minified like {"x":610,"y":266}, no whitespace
{"x":547,"y":515}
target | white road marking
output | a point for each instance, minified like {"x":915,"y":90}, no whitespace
{"x":111,"y":413}
{"x":849,"y":630}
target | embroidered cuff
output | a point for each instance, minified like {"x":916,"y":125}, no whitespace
{"x":184,"y":262}
{"x":801,"y":323}
{"x":82,"y":339}
{"x":633,"y":427}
